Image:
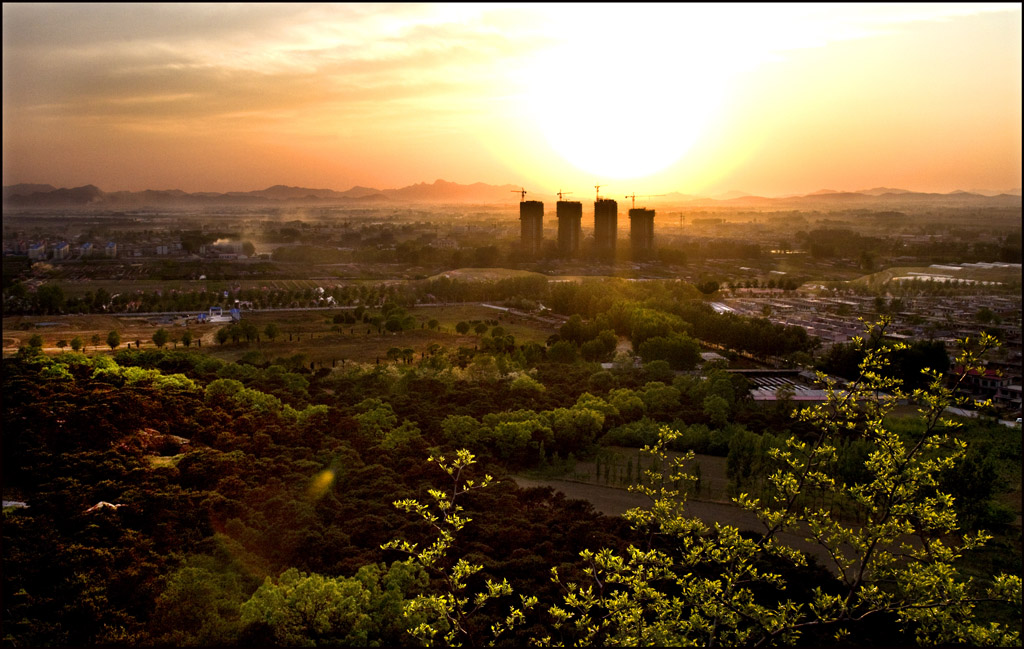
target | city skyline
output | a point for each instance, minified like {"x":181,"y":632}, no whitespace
{"x":771,"y":100}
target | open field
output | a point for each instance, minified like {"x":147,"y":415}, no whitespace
{"x":970,"y":273}
{"x":615,"y":501}
{"x":79,"y":287}
{"x":618,"y":467}
{"x":484,"y":274}
{"x":302,"y":332}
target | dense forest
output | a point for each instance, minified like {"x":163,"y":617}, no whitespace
{"x":174,"y":498}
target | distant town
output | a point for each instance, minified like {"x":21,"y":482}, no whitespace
{"x":940,"y":266}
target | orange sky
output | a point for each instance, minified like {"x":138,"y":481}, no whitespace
{"x":767,"y":99}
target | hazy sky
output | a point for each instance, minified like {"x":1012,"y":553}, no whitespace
{"x":768,"y":99}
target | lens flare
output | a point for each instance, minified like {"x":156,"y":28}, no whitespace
{"x":320,"y":484}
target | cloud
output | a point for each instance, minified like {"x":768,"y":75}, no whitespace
{"x":194,"y":65}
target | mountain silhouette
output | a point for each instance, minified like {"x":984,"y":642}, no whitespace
{"x":442,"y":191}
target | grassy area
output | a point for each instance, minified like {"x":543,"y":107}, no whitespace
{"x":484,"y":274}
{"x":78,"y":288}
{"x":619,"y":467}
{"x":1000,"y":275}
{"x":302,"y":332}
{"x":315,"y":334}
{"x":157,"y":461}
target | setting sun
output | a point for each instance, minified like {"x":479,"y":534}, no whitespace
{"x":629,"y":92}
{"x":624,"y":129}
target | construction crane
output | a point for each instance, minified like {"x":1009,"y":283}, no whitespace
{"x":633,"y":197}
{"x":561,"y":193}
{"x":597,"y":193}
{"x":521,"y":192}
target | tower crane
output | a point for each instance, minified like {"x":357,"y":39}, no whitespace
{"x":561,"y":193}
{"x":521,"y":192}
{"x":597,"y":193}
{"x":633,"y":197}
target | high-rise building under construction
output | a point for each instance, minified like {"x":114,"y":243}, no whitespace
{"x":641,"y":230}
{"x":570,"y":217}
{"x":606,"y":224}
{"x":531,"y":225}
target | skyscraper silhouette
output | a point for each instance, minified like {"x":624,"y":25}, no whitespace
{"x":531,"y":225}
{"x":641,"y":231}
{"x":570,"y":217}
{"x":606,"y":224}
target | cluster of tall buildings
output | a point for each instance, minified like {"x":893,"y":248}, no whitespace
{"x":570,"y":218}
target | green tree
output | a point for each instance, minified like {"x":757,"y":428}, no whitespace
{"x":247,"y":329}
{"x":680,"y":351}
{"x":113,"y":339}
{"x":593,"y":351}
{"x":199,"y":605}
{"x":526,"y":385}
{"x":271,"y":331}
{"x":708,"y":287}
{"x":628,"y":404}
{"x":76,"y":343}
{"x":562,"y":351}
{"x":160,"y":337}
{"x":309,"y":610}
{"x":36,"y":341}
{"x":462,"y":328}
{"x":448,"y":610}
{"x":898,"y":564}
{"x":50,"y":298}
{"x":717,"y":409}
{"x":375,"y":418}
{"x":186,"y":338}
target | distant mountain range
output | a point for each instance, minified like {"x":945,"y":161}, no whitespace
{"x":29,"y":196}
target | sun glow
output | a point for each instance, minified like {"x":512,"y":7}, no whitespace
{"x":767,"y":98}
{"x":626,"y":97}
{"x":621,"y":131}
